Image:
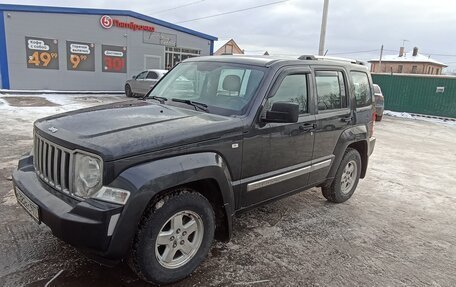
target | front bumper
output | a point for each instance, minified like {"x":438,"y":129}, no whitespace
{"x":83,"y":224}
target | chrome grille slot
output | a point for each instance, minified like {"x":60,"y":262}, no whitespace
{"x":52,"y":163}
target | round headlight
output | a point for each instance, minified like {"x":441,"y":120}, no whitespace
{"x":89,"y":172}
{"x":88,"y":175}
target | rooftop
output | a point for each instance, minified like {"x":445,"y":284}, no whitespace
{"x":408,"y":57}
{"x":92,"y":11}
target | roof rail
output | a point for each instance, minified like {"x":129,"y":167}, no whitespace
{"x":322,"y":58}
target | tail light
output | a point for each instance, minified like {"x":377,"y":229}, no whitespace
{"x":374,"y":117}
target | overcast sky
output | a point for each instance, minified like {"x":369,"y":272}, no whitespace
{"x":293,"y":27}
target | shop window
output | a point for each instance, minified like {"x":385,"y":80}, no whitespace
{"x":414,"y":69}
{"x":399,"y":68}
{"x":174,"y":55}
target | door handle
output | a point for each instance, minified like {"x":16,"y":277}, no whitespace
{"x":307,"y":127}
{"x":347,"y":119}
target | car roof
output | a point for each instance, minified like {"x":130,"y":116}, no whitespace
{"x":157,"y":70}
{"x":268,"y":61}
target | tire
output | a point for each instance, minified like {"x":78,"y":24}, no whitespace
{"x":378,"y":118}
{"x":128,"y":92}
{"x":148,"y":257}
{"x":340,"y":190}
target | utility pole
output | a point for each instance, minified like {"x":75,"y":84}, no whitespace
{"x":324,"y":20}
{"x":380,"y":61}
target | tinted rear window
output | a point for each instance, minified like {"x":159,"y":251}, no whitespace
{"x":363,"y":93}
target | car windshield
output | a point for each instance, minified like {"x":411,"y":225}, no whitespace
{"x":225,"y":89}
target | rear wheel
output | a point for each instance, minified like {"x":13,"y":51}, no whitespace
{"x":173,"y":238}
{"x":346,"y":180}
{"x":128,"y":92}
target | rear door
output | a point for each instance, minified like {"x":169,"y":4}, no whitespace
{"x":150,"y":81}
{"x":333,"y":117}
{"x":137,"y":85}
{"x":277,"y":156}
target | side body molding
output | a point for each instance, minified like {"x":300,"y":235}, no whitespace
{"x":146,"y":180}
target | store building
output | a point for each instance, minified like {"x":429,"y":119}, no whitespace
{"x":55,"y":48}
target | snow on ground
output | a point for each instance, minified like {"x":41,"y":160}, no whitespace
{"x":420,"y":117}
{"x":17,"y":119}
{"x":65,"y":102}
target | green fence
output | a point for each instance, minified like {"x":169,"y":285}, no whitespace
{"x":428,"y":95}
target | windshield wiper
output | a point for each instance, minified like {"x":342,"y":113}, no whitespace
{"x":162,"y":100}
{"x":196,"y":105}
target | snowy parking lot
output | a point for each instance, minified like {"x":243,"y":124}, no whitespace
{"x":397,"y":230}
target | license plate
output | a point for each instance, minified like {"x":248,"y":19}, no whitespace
{"x":27,"y":204}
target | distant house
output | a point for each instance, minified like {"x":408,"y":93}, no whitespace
{"x":229,"y":48}
{"x":407,"y":63}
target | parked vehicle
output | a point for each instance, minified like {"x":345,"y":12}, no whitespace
{"x":379,"y":102}
{"x":141,"y":84}
{"x":155,"y":180}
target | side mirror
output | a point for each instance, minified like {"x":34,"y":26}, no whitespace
{"x":282,"y":113}
{"x":134,"y":77}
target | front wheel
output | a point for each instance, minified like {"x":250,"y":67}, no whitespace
{"x":173,"y":238}
{"x":128,"y":91}
{"x":346,"y":180}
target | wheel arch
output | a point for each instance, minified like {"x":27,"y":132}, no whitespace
{"x":357,"y":138}
{"x":205,"y":172}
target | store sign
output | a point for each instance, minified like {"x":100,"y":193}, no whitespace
{"x":157,"y":38}
{"x":42,"y":53}
{"x":80,"y":56}
{"x":107,"y":22}
{"x":114,"y":59}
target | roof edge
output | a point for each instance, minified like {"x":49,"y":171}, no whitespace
{"x":97,"y":11}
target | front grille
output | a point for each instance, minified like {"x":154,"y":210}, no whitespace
{"x":52,"y":163}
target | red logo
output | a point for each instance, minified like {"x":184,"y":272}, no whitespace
{"x":106,"y":21}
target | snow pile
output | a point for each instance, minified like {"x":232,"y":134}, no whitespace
{"x":65,"y":102}
{"x":420,"y":117}
{"x":398,"y":114}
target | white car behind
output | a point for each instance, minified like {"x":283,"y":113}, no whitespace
{"x":140,"y":84}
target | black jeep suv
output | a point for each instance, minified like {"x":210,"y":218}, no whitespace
{"x":155,"y":180}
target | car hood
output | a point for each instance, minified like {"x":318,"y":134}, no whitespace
{"x":130,"y":128}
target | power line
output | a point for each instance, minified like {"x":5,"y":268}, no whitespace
{"x":354,"y":52}
{"x":231,"y":12}
{"x":441,"y":55}
{"x":177,"y":7}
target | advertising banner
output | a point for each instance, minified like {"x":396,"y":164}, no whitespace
{"x":114,"y":59}
{"x":80,"y":56}
{"x":42,"y":53}
{"x":158,"y":38}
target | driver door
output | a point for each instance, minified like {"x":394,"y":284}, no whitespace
{"x":277,"y":156}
